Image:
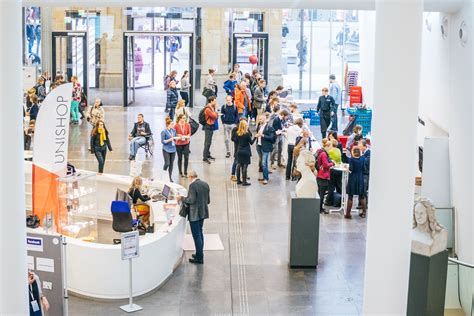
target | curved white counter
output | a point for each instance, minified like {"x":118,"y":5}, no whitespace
{"x":96,"y":270}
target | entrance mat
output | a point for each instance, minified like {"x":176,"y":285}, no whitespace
{"x":211,"y":242}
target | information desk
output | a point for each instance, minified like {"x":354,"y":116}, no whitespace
{"x":96,"y":270}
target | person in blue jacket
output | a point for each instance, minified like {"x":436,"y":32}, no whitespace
{"x":172,"y":98}
{"x":229,"y":84}
{"x":229,"y":118}
{"x":168,"y":140}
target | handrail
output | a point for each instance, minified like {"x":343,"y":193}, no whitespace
{"x":461,"y":263}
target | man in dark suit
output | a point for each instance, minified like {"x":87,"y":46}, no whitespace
{"x":326,"y":109}
{"x":137,"y":137}
{"x":265,"y":139}
{"x":198,"y":200}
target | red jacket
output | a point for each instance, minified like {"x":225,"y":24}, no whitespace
{"x":186,"y":130}
{"x":324,"y":165}
{"x":211,"y":115}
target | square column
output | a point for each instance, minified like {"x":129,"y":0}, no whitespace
{"x":13,"y":271}
{"x":392,"y":181}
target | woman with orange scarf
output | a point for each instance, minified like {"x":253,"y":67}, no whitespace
{"x":99,"y":143}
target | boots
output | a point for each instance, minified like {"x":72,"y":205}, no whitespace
{"x":363,"y":203}
{"x":348,"y":210}
{"x":244,"y":176}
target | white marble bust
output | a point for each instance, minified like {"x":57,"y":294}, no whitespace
{"x":428,"y":237}
{"x":307,"y":186}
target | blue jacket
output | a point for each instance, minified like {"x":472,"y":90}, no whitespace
{"x":171,"y":98}
{"x":268,"y":138}
{"x":230,"y":114}
{"x":165,"y":135}
{"x":229,"y":86}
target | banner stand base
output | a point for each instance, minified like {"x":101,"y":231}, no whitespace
{"x":131,"y":308}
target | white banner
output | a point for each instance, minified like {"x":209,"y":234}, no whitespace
{"x":52,"y":131}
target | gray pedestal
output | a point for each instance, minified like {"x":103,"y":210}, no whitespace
{"x":427,"y":287}
{"x":304,"y":232}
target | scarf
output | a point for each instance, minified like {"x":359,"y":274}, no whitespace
{"x":102,"y":135}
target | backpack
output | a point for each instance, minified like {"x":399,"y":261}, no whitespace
{"x":194,"y":126}
{"x":202,"y":117}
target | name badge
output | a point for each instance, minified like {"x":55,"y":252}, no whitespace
{"x":35,"y":306}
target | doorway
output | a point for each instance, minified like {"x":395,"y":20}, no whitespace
{"x":148,"y":57}
{"x":69,"y":50}
{"x":246,"y":45}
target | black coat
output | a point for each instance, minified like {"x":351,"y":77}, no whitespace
{"x":244,"y":151}
{"x":198,"y":200}
{"x":268,"y":138}
{"x":95,"y":142}
{"x":172,"y":98}
{"x":134,"y":131}
{"x":326,"y":105}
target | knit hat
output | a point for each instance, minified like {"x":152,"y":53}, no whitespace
{"x":332,"y":77}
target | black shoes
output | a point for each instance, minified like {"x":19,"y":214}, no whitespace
{"x":207,"y":160}
{"x":227,"y":155}
{"x":246,"y":184}
{"x":131,"y":157}
{"x":193,"y":260}
{"x":211,"y":158}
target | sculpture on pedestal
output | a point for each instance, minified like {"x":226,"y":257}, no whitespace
{"x":428,"y":236}
{"x":307,"y":186}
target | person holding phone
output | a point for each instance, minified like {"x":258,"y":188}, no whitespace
{"x":168,"y":140}
{"x":183,"y":132}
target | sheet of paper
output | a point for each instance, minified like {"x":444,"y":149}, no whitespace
{"x":45,"y":264}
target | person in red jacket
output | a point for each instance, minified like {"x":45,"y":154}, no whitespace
{"x":183,"y":131}
{"x":211,"y":116}
{"x":324,"y":173}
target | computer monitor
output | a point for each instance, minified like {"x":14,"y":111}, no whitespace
{"x":166,"y":191}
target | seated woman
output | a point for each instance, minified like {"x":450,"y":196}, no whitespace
{"x":138,"y":200}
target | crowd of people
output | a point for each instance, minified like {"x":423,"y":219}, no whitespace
{"x":251,"y":116}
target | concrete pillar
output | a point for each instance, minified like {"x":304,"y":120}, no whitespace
{"x":367,"y":48}
{"x":273,"y":27}
{"x":392,"y":182}
{"x":215,"y":44}
{"x":13,"y":271}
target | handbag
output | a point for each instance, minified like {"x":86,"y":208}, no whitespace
{"x":194,"y":126}
{"x":184,"y":210}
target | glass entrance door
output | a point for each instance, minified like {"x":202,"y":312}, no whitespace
{"x":148,"y":58}
{"x":69,"y":50}
{"x":249,"y":45}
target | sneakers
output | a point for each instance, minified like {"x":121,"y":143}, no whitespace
{"x":265,"y":181}
{"x":233,"y":178}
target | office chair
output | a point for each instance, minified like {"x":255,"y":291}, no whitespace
{"x":122,"y":220}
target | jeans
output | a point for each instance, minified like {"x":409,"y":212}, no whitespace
{"x":234,"y":167}
{"x":185,"y":97}
{"x":135,"y":143}
{"x":265,"y":157}
{"x":323,"y":185}
{"x":208,"y":132}
{"x":101,"y":154}
{"x":169,"y":160}
{"x":260,"y":154}
{"x":277,"y":149}
{"x":183,"y":150}
{"x":289,"y":163}
{"x":228,"y":135}
{"x":171,"y":112}
{"x":75,"y":111}
{"x":198,"y":236}
{"x":334,"y":120}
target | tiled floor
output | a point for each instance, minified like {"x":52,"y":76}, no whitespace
{"x":251,"y":276}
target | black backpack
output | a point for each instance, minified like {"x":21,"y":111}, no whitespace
{"x":202,"y":117}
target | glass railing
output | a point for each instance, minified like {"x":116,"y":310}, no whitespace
{"x":459,"y":288}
